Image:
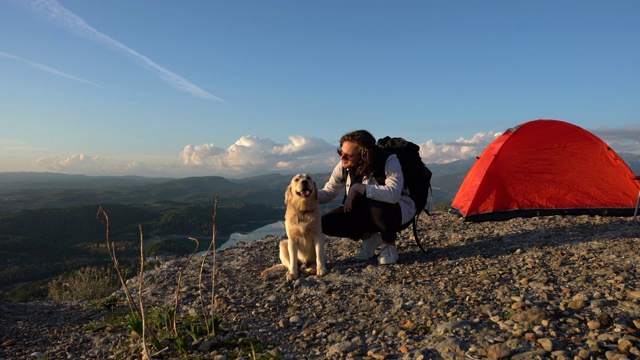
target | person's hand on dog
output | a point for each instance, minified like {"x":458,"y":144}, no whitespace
{"x":354,"y":190}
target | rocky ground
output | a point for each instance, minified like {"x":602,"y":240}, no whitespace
{"x":536,"y":288}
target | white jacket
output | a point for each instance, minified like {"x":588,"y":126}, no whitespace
{"x":392,"y":192}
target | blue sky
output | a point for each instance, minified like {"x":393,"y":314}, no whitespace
{"x":238,"y":88}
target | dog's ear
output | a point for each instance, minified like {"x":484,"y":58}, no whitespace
{"x":287,"y":195}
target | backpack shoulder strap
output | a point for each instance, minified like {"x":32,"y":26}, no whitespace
{"x":379,"y":165}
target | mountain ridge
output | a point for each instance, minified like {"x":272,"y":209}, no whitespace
{"x":29,"y":190}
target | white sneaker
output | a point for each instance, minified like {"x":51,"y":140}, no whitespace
{"x":368,"y":248}
{"x":388,"y":254}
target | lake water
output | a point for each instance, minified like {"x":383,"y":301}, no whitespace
{"x":276,"y":228}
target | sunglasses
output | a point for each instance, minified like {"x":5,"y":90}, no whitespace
{"x":344,"y":155}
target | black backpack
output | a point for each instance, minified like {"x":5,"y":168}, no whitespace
{"x":417,"y":177}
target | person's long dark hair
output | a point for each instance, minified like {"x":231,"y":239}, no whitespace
{"x":367,"y":148}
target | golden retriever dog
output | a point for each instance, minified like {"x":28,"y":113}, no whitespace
{"x":305,"y":244}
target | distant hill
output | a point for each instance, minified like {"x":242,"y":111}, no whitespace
{"x":29,"y":190}
{"x":633,"y":160}
{"x":48,"y":224}
{"x":20,"y":191}
{"x":447,"y":179}
{"x":10,"y":181}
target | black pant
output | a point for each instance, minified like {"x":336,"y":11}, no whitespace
{"x":366,"y":215}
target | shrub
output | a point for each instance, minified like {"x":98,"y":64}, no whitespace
{"x":26,"y":292}
{"x":89,"y":283}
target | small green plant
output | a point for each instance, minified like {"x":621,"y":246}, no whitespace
{"x":134,"y":324}
{"x":245,"y":346}
{"x":441,"y":207}
{"x":110,"y":302}
{"x":194,"y":331}
{"x":214,"y":323}
{"x":155,"y":343}
{"x":421,"y":330}
{"x":162,"y":326}
{"x":162,"y":318}
{"x":528,"y":327}
{"x":180,"y":342}
{"x":93,"y":326}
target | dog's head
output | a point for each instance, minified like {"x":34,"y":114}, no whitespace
{"x":302,"y":186}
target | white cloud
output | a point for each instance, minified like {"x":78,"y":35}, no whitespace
{"x":196,"y":155}
{"x":248,"y":156}
{"x":621,"y":140}
{"x":460,"y":149}
{"x":72,"y":22}
{"x":98,"y":165}
{"x":74,"y":163}
{"x":302,"y":145}
{"x":252,"y":155}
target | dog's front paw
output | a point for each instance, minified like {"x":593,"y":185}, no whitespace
{"x":321,"y":271}
{"x":291,"y":276}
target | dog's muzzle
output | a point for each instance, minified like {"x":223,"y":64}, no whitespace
{"x":306,"y":189}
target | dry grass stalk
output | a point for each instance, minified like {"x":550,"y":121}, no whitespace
{"x":213,"y":269}
{"x":112,"y":253}
{"x":175,"y":324}
{"x":210,"y":330}
{"x":145,"y":353}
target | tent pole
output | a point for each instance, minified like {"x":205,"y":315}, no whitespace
{"x":635,"y":213}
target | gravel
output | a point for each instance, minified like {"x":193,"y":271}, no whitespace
{"x":557,"y":287}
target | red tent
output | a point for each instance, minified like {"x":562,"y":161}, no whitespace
{"x":546,"y":167}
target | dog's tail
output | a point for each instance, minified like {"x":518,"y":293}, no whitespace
{"x":273,"y":269}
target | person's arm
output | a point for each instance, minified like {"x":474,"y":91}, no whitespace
{"x":391,"y":190}
{"x":333,"y":187}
